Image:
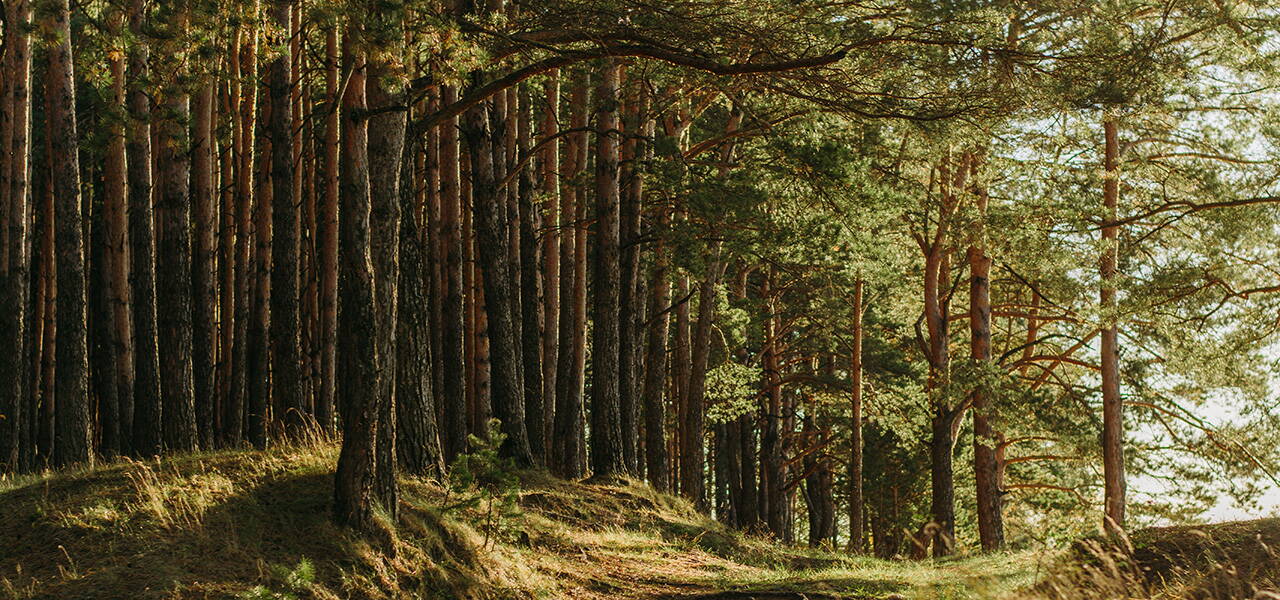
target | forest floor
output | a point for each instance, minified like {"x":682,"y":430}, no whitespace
{"x":244,"y":524}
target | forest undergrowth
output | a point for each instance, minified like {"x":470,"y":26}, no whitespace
{"x":255,"y":525}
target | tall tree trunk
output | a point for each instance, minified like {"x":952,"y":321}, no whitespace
{"x":749,"y":500}
{"x":607,"y":459}
{"x":630,"y":298}
{"x":239,"y":422}
{"x":204,"y":274}
{"x":941,"y":443}
{"x":817,"y":486}
{"x":147,"y":417}
{"x":434,"y":256}
{"x":386,"y":147}
{"x":551,"y":234}
{"x":454,"y":306}
{"x":259,"y":398}
{"x":857,"y":537}
{"x":772,"y":460}
{"x":120,"y":342}
{"x":286,"y":331}
{"x":48,"y":284}
{"x":682,"y":359}
{"x":531,"y":311}
{"x":417,"y":435}
{"x":569,"y":442}
{"x":479,"y":397}
{"x":1112,"y":403}
{"x":492,"y":239}
{"x":990,"y":515}
{"x":655,"y":376}
{"x":102,"y":389}
{"x":357,"y":346}
{"x":173,"y":275}
{"x":74,"y":430}
{"x":692,"y":454}
{"x":945,"y":417}
{"x":631,"y":301}
{"x":227,"y":234}
{"x":15,"y":264}
{"x":327,"y":243}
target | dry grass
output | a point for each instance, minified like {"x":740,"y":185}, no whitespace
{"x":243,"y":524}
{"x":1226,"y":561}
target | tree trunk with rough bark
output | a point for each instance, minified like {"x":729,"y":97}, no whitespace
{"x":285,"y":323}
{"x":148,"y":436}
{"x":551,"y":235}
{"x":607,"y":454}
{"x":569,"y":438}
{"x":327,"y":242}
{"x":692,"y":453}
{"x":204,"y":273}
{"x":531,"y":293}
{"x":655,"y":376}
{"x":417,"y":435}
{"x":492,"y":239}
{"x":74,"y":427}
{"x":173,"y":274}
{"x":386,"y":132}
{"x":772,"y":469}
{"x":357,"y":346}
{"x":454,"y":306}
{"x":990,"y":515}
{"x":15,"y":321}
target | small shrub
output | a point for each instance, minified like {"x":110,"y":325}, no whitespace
{"x":291,"y":582}
{"x":485,"y":481}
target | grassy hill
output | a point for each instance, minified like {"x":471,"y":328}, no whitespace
{"x":244,"y":524}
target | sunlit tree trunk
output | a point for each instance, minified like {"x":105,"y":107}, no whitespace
{"x":607,"y":458}
{"x":386,"y":131}
{"x":228,"y":232}
{"x":990,"y":514}
{"x":1112,"y":403}
{"x":115,"y":225}
{"x":357,"y":347}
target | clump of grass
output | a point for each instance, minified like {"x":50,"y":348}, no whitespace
{"x":1231,"y":561}
{"x":180,"y":497}
{"x":290,"y":583}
